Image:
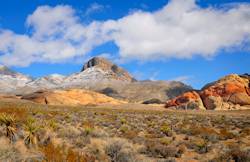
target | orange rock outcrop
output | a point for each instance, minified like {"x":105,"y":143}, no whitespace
{"x":230,"y":92}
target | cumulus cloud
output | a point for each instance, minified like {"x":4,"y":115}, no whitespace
{"x":181,"y":29}
{"x":56,"y":35}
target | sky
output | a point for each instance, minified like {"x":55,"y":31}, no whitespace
{"x":195,"y":42}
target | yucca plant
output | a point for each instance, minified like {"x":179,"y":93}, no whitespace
{"x":31,"y":129}
{"x":9,"y":122}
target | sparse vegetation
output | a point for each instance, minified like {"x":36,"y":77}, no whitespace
{"x":86,"y":134}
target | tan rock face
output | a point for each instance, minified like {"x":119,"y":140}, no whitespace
{"x":71,"y":97}
{"x":230,"y":92}
{"x":240,"y":98}
{"x":212,"y":102}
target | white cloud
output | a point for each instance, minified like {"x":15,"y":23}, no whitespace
{"x":181,"y":29}
{"x":94,"y":7}
{"x":56,"y":36}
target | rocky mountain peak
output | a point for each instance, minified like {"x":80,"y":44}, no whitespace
{"x":112,"y":69}
{"x":100,"y":62}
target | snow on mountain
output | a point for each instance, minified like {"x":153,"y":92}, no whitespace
{"x":10,"y":80}
{"x":50,"y":81}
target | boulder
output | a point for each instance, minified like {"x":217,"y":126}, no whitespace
{"x":188,"y":100}
{"x":212,"y":102}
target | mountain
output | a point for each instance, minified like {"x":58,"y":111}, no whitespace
{"x":100,"y":75}
{"x":10,"y":80}
{"x":96,"y":70}
{"x":231,"y":92}
{"x":47,"y":82}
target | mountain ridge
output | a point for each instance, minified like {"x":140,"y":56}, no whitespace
{"x":97,"y":74}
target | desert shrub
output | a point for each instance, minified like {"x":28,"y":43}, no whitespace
{"x":236,"y":155}
{"x":244,"y":132}
{"x":9,"y":122}
{"x":99,"y":133}
{"x":120,"y":150}
{"x":225,"y":134}
{"x":123,"y":121}
{"x":81,"y":141}
{"x":199,"y":145}
{"x":166,"y":160}
{"x":130,"y":134}
{"x":182,"y":149}
{"x":156,"y":149}
{"x":166,"y":129}
{"x":52,"y":152}
{"x":205,"y":132}
{"x":69,"y":132}
{"x":8,"y":152}
{"x":96,"y":147}
{"x":45,"y":136}
{"x":87,"y":130}
{"x":52,"y":124}
{"x":88,"y":124}
{"x":153,"y":101}
{"x":112,"y":149}
{"x":124,"y":128}
{"x":73,"y":156}
{"x":165,"y":141}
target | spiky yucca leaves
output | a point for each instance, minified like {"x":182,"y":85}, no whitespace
{"x":9,"y":122}
{"x":31,"y":129}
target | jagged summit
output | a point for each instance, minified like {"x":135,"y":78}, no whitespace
{"x":100,"y":62}
{"x":110,"y":69}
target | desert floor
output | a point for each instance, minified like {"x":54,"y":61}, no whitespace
{"x":121,"y":133}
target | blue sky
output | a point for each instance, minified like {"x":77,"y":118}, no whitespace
{"x":199,"y":59}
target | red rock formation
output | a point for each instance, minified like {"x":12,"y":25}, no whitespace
{"x":189,"y":98}
{"x":230,"y":92}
